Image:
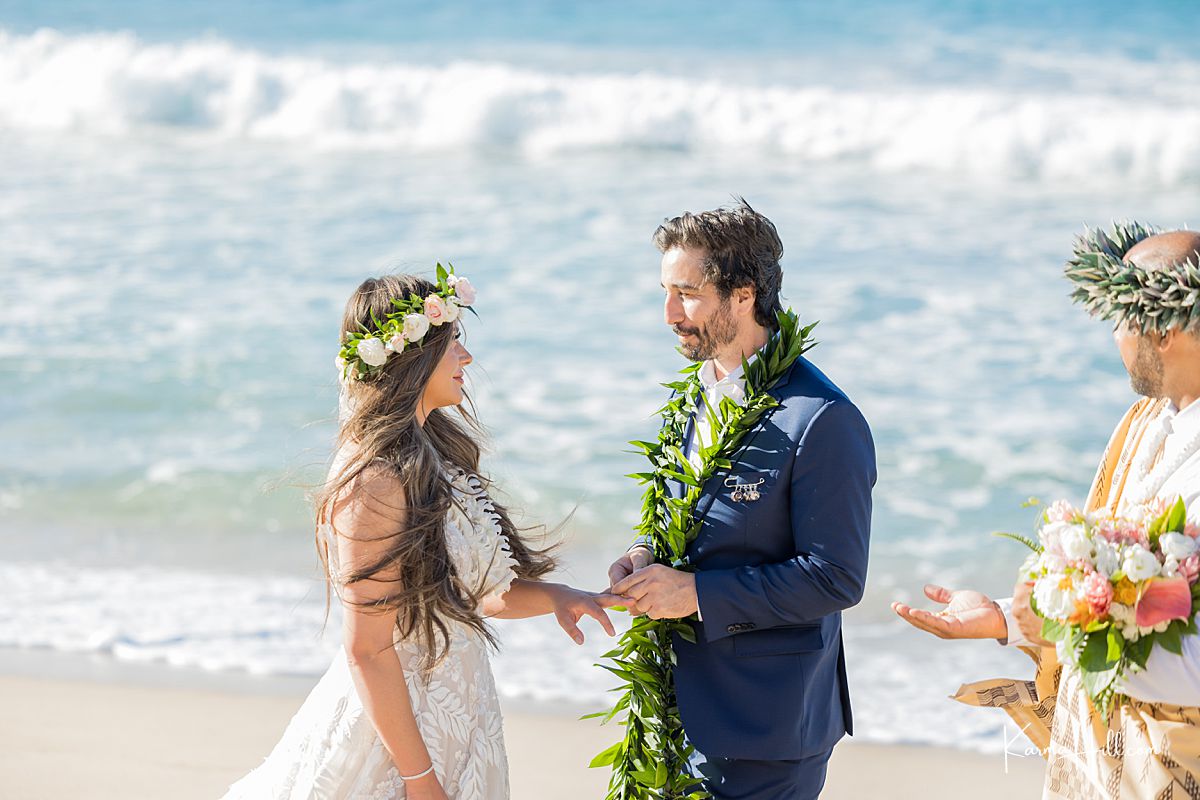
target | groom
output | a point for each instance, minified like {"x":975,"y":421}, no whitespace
{"x":762,"y":692}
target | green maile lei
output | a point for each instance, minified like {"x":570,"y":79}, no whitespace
{"x":651,"y":761}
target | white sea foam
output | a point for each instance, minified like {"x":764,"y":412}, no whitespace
{"x":274,"y":626}
{"x":114,"y":84}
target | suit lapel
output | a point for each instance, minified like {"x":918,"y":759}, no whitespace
{"x":717,"y":482}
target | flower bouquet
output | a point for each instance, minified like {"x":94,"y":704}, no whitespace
{"x":1109,"y":588}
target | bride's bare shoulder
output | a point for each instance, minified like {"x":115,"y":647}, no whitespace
{"x":371,"y":502}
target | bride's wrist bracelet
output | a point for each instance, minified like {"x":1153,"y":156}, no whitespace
{"x":421,"y":774}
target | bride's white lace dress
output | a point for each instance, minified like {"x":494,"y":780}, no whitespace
{"x":330,"y":749}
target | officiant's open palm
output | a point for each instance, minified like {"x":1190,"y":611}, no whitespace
{"x":967,"y":615}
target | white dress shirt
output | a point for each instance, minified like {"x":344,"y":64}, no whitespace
{"x":732,"y":386}
{"x":1167,"y":678}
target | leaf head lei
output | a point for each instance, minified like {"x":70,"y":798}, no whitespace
{"x":1150,"y":300}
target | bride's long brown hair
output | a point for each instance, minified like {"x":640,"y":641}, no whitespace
{"x":382,"y":431}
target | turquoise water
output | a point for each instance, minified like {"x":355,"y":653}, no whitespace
{"x":190,"y":194}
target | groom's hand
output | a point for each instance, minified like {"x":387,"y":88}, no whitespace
{"x":967,"y":615}
{"x":660,"y":592}
{"x":634,"y":559}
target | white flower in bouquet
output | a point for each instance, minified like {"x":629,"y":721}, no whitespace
{"x":372,"y":352}
{"x":1032,"y":565}
{"x":1076,"y":544}
{"x":1053,"y":562}
{"x":1054,"y":595}
{"x":1139,"y":563}
{"x":1107,"y":557}
{"x":1177,"y":545}
{"x":1052,"y":534}
{"x":1170,"y":567}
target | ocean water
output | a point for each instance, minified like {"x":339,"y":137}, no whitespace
{"x":189,"y":194}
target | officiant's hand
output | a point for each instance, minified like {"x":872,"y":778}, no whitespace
{"x":967,"y":615}
{"x":659,"y":592}
{"x":1028,"y":621}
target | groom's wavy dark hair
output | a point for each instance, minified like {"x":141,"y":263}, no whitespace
{"x":396,"y":470}
{"x":743,"y":249}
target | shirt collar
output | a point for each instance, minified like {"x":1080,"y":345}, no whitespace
{"x":1185,"y":421}
{"x":708,"y":375}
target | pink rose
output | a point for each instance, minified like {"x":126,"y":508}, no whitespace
{"x":463,"y":290}
{"x":1162,"y":600}
{"x":1061,"y":511}
{"x":1098,"y":593}
{"x":435,"y":310}
{"x":1190,"y":567}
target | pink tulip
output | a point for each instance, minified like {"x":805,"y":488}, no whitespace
{"x":1164,"y":599}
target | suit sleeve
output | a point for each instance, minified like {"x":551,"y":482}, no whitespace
{"x":832,"y":476}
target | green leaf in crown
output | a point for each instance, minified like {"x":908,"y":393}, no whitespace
{"x":651,"y":761}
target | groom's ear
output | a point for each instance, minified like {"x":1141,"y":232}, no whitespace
{"x":743,"y":298}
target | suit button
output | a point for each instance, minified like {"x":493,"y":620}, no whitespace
{"x":732,"y":629}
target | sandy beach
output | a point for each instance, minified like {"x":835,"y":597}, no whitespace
{"x":105,"y":740}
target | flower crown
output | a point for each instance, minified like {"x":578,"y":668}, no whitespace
{"x":1149,"y":299}
{"x":364,"y":354}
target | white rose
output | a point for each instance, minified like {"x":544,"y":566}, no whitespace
{"x":1076,"y":544}
{"x":463,"y":289}
{"x":1177,"y":545}
{"x":1170,"y":567}
{"x":1108,"y":558}
{"x":396,"y":343}
{"x":415,"y":327}
{"x":1052,"y":601}
{"x":1139,"y":563}
{"x":372,"y":352}
{"x":453,"y":312}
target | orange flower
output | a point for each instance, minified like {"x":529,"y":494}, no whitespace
{"x":1125,"y":592}
{"x":1082,"y":614}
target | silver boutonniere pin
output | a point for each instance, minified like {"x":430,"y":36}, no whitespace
{"x":743,"y":492}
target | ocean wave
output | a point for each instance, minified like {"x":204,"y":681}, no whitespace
{"x":117,"y":84}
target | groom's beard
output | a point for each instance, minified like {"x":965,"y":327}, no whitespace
{"x":720,"y":331}
{"x":1146,"y":376}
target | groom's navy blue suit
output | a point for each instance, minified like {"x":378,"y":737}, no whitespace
{"x":763,"y":691}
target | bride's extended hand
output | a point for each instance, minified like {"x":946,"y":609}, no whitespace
{"x":572,"y":605}
{"x":967,"y":615}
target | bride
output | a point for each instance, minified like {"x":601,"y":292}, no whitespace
{"x":420,"y":557}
